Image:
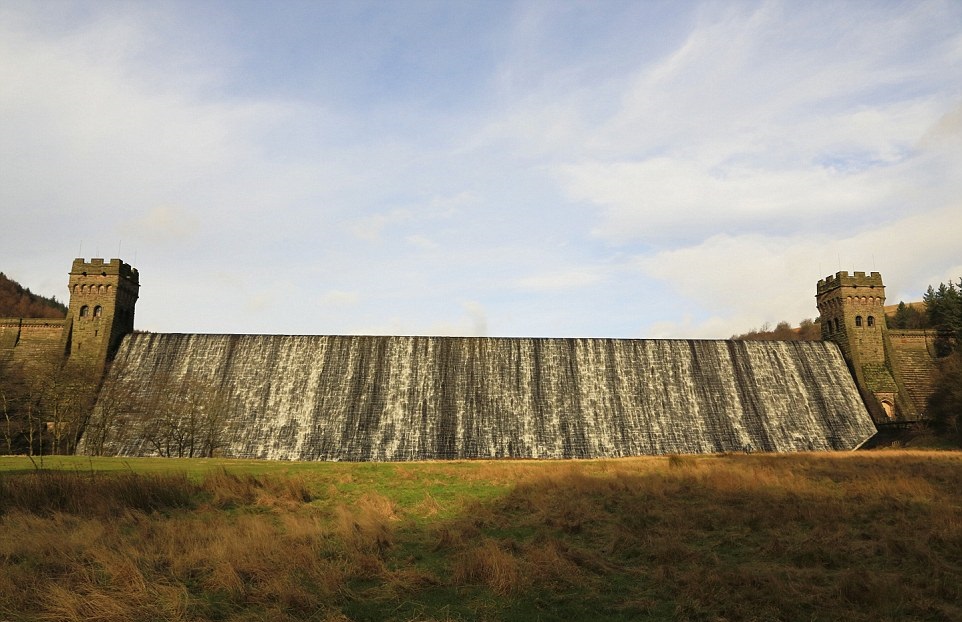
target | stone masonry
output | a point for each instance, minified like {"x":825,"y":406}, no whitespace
{"x":894,"y":370}
{"x":852,"y":309}
{"x":101,"y":311}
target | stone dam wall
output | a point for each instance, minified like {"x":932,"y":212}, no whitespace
{"x":426,"y":398}
{"x":30,"y":340}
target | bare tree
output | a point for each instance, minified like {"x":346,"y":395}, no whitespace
{"x":7,"y":403}
{"x":119,"y":405}
{"x":217,"y":409}
{"x":33,"y":386}
{"x":189,"y":421}
{"x":67,"y":399}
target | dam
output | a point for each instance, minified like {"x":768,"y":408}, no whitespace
{"x":396,"y":398}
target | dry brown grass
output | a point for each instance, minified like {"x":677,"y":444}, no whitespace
{"x":864,"y":536}
{"x":490,"y":563}
{"x":367,"y":525}
{"x":868,"y":536}
{"x":92,"y":494}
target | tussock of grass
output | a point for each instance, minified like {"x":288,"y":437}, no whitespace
{"x":488,"y":563}
{"x":366,"y":525}
{"x":228,"y":489}
{"x":818,"y":537}
{"x":93,"y":494}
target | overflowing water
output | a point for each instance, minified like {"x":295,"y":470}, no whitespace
{"x":417,"y":398}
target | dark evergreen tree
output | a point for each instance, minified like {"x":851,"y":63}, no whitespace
{"x":907,"y":316}
{"x":944,"y":309}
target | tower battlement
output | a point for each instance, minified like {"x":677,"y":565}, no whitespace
{"x":843,"y":279}
{"x":114,"y":267}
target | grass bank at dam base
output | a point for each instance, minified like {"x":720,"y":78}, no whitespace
{"x":814,"y":536}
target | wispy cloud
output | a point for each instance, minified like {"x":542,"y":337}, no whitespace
{"x":690,"y":168}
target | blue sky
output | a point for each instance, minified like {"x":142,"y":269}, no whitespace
{"x":622,"y":169}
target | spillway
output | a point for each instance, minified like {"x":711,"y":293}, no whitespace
{"x":425,"y":398}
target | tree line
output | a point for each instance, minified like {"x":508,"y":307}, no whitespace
{"x":807,"y":330}
{"x":45,"y":406}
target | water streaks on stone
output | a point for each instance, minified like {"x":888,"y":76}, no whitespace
{"x":416,"y":398}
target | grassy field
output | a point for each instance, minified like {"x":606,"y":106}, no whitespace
{"x":857,"y":536}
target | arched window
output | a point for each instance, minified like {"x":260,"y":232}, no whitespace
{"x":871,"y":321}
{"x":98,"y":311}
{"x":858,"y":321}
{"x":889,"y":409}
{"x":84,"y":310}
{"x":836,"y":325}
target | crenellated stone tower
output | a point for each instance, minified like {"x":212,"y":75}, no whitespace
{"x":101,"y":310}
{"x":852,"y":309}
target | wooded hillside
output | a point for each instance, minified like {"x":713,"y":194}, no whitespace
{"x":18,"y":301}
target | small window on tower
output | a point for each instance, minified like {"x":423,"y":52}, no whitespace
{"x":871,"y":321}
{"x":858,"y":321}
{"x":84,"y":310}
{"x":98,"y":311}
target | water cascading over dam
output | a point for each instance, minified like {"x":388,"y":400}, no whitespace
{"x":422,"y":398}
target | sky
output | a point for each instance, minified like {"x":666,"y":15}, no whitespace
{"x":637,"y":169}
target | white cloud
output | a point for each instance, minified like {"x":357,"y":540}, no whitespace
{"x":662,"y":197}
{"x":447,"y":206}
{"x":164,"y":222}
{"x":474,"y":322}
{"x":260,"y":302}
{"x":711,"y":328}
{"x":747,"y":126}
{"x":340,"y":298}
{"x":946,"y":133}
{"x":749,"y":280}
{"x":422,"y":242}
{"x":370,"y":228}
{"x":561,"y":280}
{"x":706,"y":147}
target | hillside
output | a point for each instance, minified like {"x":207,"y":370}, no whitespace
{"x":807,"y":330}
{"x":18,"y":301}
